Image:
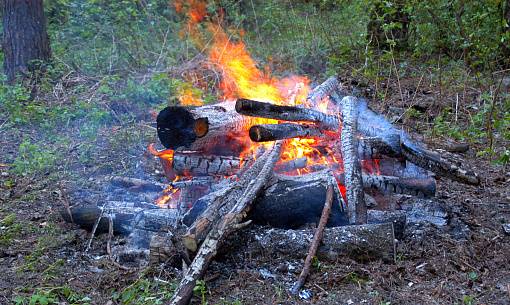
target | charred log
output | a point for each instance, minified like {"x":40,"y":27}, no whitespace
{"x":287,"y":113}
{"x":292,"y":201}
{"x":437,"y":165}
{"x":353,"y":179}
{"x":196,"y":163}
{"x":222,"y":200}
{"x":135,"y":184}
{"x":273,"y":132}
{"x":226,"y":225}
{"x":360,"y":242}
{"x":126,"y":218}
{"x":320,"y":92}
{"x":291,"y":165}
{"x":424,"y":187}
{"x":202,"y":127}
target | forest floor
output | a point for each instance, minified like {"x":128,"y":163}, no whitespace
{"x":43,"y":260}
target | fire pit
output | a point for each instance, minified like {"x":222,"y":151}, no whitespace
{"x":325,"y":161}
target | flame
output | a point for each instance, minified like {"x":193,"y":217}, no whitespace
{"x":165,"y":154}
{"x":241,"y":77}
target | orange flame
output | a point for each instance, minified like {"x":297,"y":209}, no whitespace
{"x":240,"y":77}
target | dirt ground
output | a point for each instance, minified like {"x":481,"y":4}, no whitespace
{"x":465,"y":261}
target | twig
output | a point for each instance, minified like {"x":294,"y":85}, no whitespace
{"x":317,"y":237}
{"x":65,"y":202}
{"x":110,"y":234}
{"x":5,"y":121}
{"x":95,"y":227}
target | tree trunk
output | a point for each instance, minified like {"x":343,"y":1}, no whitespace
{"x":25,"y":37}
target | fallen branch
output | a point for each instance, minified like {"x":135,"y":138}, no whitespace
{"x":317,"y":237}
{"x":228,"y":224}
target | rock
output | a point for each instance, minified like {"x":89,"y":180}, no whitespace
{"x":506,"y":227}
{"x":458,"y":147}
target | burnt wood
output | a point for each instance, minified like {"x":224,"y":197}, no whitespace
{"x":292,"y":201}
{"x":317,"y":238}
{"x":198,"y":163}
{"x":226,"y":225}
{"x":314,"y":98}
{"x":203,"y":127}
{"x":437,"y":165}
{"x":360,"y":242}
{"x":221,"y":201}
{"x":126,"y":217}
{"x":273,"y":132}
{"x":287,"y":113}
{"x":352,"y":166}
{"x":291,"y":165}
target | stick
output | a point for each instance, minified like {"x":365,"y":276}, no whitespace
{"x":317,"y":237}
{"x":110,"y":234}
{"x":95,"y":227}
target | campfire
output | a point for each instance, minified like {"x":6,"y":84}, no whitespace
{"x":274,"y":153}
{"x":287,"y":164}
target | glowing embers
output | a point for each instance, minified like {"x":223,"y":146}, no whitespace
{"x":169,"y":199}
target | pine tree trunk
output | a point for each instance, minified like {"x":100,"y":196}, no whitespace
{"x":24,"y":36}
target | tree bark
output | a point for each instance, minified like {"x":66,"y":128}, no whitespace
{"x":24,"y":37}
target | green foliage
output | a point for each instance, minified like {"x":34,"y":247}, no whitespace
{"x":144,"y":291}
{"x":45,"y":296}
{"x":201,"y":290}
{"x":33,"y":158}
{"x":97,"y":37}
{"x":9,"y":229}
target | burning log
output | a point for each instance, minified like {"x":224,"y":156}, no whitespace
{"x":222,"y":200}
{"x":291,"y":165}
{"x":199,"y":127}
{"x":197,"y":163}
{"x":287,"y":113}
{"x":352,"y":165}
{"x":226,"y":225}
{"x":273,"y":132}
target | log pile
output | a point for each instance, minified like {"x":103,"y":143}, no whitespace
{"x":225,"y":185}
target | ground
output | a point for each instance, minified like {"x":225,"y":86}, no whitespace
{"x":44,"y":259}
